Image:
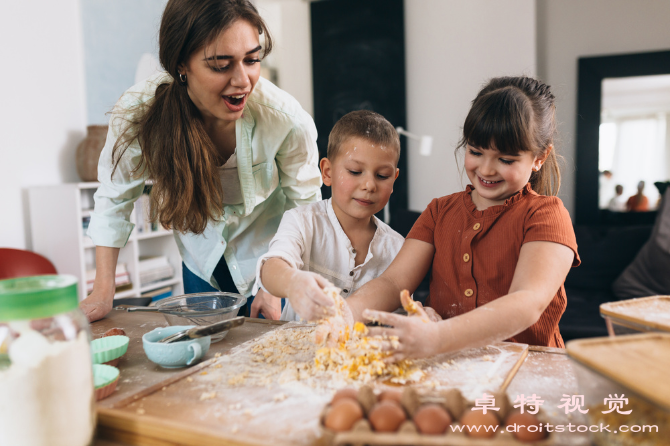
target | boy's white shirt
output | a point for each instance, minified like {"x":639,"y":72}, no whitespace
{"x":310,"y":238}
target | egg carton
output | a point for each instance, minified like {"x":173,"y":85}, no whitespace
{"x":407,"y":434}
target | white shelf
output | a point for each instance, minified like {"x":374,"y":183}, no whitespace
{"x":56,"y":214}
{"x":128,"y":293}
{"x":160,"y":284}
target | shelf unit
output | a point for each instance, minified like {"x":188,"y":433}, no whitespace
{"x":56,"y":214}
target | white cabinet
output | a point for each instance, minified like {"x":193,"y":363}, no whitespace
{"x":56,"y":220}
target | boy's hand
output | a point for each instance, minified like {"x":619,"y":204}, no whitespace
{"x":417,"y":335}
{"x":307,"y":297}
{"x":432,"y":314}
{"x":267,"y":305}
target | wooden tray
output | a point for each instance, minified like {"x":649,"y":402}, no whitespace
{"x":173,"y":412}
{"x":639,"y":362}
{"x":646,"y":313}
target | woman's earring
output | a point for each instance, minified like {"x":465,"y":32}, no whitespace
{"x":182,"y":78}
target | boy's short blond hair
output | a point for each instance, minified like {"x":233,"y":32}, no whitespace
{"x":364,"y":124}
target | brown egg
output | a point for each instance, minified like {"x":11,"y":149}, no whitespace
{"x":349,"y":393}
{"x":386,"y":416}
{"x":343,"y":414}
{"x":114,"y":332}
{"x":478,"y":423}
{"x":518,"y":424}
{"x":394,"y":395}
{"x":432,"y":419}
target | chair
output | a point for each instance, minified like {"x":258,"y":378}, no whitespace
{"x":21,"y":263}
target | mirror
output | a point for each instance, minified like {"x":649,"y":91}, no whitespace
{"x":634,"y":145}
{"x":623,"y":137}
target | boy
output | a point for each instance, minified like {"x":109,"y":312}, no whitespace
{"x":338,"y":241}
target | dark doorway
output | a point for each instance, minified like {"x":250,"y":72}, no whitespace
{"x":358,"y":53}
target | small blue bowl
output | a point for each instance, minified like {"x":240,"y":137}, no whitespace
{"x":176,"y":354}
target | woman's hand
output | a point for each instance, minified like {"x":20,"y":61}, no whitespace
{"x":266,"y":304}
{"x":99,"y":302}
{"x":418,"y":335}
{"x":307,"y":298}
{"x":97,"y":305}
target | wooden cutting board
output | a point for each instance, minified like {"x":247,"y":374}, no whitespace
{"x":639,"y":362}
{"x":204,"y":405}
{"x":650,"y":313}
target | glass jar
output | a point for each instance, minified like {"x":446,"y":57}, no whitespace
{"x":46,"y":378}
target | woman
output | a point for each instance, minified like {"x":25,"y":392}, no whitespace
{"x":227,"y":152}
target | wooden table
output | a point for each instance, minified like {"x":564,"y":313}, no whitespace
{"x":546,"y":372}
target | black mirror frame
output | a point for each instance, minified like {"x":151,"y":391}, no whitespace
{"x":591,"y":72}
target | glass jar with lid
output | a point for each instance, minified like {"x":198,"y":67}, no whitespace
{"x":46,"y":378}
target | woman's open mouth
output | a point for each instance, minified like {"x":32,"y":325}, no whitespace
{"x":235,"y":102}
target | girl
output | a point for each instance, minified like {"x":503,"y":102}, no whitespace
{"x":228,"y":153}
{"x":498,"y":252}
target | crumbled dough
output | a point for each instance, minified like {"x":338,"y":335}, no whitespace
{"x":207,"y":396}
{"x":279,"y":397}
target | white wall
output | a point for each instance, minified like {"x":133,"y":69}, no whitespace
{"x":43,"y":115}
{"x":569,"y":29}
{"x":452,"y":48}
{"x":289,"y":23}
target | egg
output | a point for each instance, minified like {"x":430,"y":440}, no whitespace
{"x":518,"y":424}
{"x":343,"y":414}
{"x":394,"y":395}
{"x":386,"y":416}
{"x":352,"y":394}
{"x":432,"y":419}
{"x":114,"y":332}
{"x":478,"y":423}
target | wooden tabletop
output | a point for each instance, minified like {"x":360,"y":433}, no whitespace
{"x":548,"y":373}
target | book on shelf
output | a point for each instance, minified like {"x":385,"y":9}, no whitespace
{"x":142,"y":214}
{"x":121,"y":280}
{"x":153,"y":269}
{"x":143,"y":221}
{"x":158,"y":294}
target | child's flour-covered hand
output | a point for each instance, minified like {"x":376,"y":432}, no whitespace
{"x":416,"y":334}
{"x":307,"y":297}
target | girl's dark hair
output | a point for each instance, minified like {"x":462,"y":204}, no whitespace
{"x":516,"y":114}
{"x":176,"y":150}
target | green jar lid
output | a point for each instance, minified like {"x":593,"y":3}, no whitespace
{"x":37,"y":297}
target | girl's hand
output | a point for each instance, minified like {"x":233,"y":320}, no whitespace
{"x":266,"y":304}
{"x":418,"y":335}
{"x":307,"y":297}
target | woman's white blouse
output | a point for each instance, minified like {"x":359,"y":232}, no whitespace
{"x":277,"y":164}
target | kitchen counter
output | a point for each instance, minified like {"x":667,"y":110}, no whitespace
{"x":547,"y":372}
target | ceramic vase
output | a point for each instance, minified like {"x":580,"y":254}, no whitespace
{"x":88,"y":152}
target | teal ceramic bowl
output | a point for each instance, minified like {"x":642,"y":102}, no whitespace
{"x":176,"y":354}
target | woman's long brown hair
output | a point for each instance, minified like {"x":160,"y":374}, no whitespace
{"x":177,"y":152}
{"x":517,"y":114}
